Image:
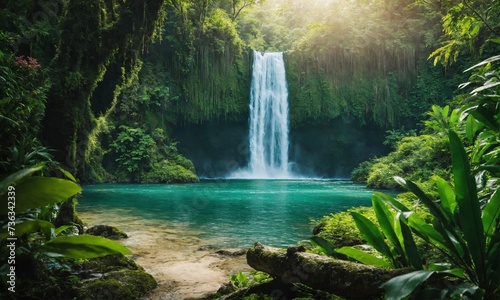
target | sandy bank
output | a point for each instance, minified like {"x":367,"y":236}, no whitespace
{"x":176,"y":258}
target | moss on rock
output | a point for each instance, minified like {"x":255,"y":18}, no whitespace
{"x":121,"y":284}
{"x":168,"y":171}
{"x":110,"y":232}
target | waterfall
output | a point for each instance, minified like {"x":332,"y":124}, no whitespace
{"x":268,"y":132}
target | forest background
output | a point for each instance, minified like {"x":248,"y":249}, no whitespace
{"x":109,"y":88}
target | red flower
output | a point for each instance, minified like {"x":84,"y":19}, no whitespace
{"x":27,"y":62}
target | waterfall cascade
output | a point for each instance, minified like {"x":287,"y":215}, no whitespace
{"x":268,"y":133}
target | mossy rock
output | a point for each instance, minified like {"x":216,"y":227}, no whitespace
{"x":108,"y":263}
{"x":114,"y":277}
{"x":110,"y":232}
{"x":122,"y":284}
{"x":67,"y":215}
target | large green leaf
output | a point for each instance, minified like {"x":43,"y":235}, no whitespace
{"x":29,"y":226}
{"x":426,"y":231}
{"x":393,"y":202}
{"x":326,"y":247}
{"x":67,"y":174}
{"x":363,"y":257}
{"x":491,"y":215}
{"x":484,"y":62}
{"x":386,"y":221}
{"x":13,"y":178}
{"x":82,"y":246}
{"x":486,"y":117}
{"x":468,"y":204}
{"x":372,"y":235}
{"x":410,"y":247}
{"x":447,"y":196}
{"x":402,"y":286}
{"x":36,"y":192}
{"x":435,"y":210}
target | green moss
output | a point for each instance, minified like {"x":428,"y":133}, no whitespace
{"x":109,"y":263}
{"x":340,"y":229}
{"x":123,"y":284}
{"x":168,"y":171}
{"x":107,"y":231}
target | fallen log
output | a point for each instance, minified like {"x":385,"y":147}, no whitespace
{"x":344,"y":278}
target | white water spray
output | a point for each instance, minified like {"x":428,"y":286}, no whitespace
{"x":268,"y":134}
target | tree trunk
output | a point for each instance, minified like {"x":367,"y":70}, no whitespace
{"x":343,"y":278}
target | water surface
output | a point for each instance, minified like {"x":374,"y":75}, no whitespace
{"x":228,"y":213}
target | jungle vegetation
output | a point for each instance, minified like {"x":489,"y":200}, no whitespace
{"x":163,"y":64}
{"x":98,"y":88}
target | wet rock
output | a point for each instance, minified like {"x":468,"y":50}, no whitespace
{"x":107,"y":231}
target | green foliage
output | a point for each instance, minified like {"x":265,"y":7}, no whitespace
{"x":461,"y":228}
{"x":482,"y":127}
{"x":142,"y":157}
{"x":441,"y":120}
{"x":243,"y":280}
{"x":169,"y":172}
{"x":394,"y":242}
{"x":469,"y":27}
{"x":37,"y":236}
{"x":240,"y":280}
{"x":133,"y":148}
{"x":417,"y":158}
{"x":394,"y":136}
{"x":339,"y":228}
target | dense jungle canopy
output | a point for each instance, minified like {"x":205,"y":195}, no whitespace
{"x":109,"y":85}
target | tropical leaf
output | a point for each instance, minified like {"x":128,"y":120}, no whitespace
{"x":393,"y":202}
{"x":13,"y":178}
{"x":36,"y":192}
{"x":435,"y":210}
{"x":386,"y":221}
{"x":372,"y":235}
{"x":484,"y":62}
{"x":485,"y":87}
{"x":410,"y":247}
{"x":363,"y":257}
{"x":402,"y":286}
{"x":326,"y":247}
{"x":67,"y":174}
{"x":59,"y":230}
{"x":486,"y":117}
{"x":30,"y":226}
{"x":491,"y":215}
{"x":447,"y":196}
{"x":468,"y":204}
{"x":426,"y":231}
{"x":82,"y":247}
